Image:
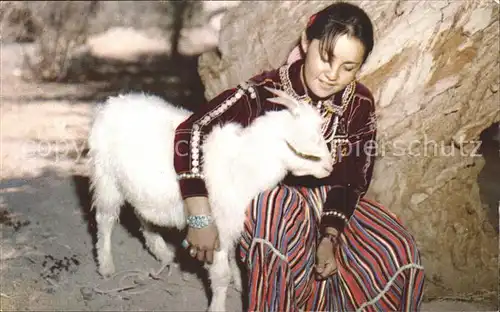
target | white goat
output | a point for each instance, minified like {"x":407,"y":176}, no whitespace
{"x":131,"y":148}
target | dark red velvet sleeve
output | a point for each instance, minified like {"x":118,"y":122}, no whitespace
{"x":241,"y":105}
{"x":351,"y":176}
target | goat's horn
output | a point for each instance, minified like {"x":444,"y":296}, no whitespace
{"x":282,"y":94}
{"x":280,"y":100}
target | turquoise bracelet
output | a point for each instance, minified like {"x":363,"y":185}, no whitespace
{"x":199,"y":222}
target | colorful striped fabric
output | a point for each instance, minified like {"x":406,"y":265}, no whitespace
{"x":379,"y":267}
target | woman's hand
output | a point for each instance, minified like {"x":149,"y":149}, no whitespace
{"x":206,"y":239}
{"x":326,"y":264}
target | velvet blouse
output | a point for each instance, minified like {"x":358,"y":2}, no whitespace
{"x":352,"y":146}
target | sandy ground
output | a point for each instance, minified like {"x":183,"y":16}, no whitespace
{"x":47,"y":231}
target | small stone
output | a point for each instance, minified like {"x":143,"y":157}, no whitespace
{"x":87,"y":293}
{"x":49,"y":290}
{"x":494,"y":87}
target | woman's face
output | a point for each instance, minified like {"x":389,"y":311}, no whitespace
{"x":325,"y":78}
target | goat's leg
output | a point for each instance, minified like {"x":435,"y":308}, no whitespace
{"x":107,"y":201}
{"x":105,"y":224}
{"x":220,"y":277}
{"x":156,"y":244}
{"x":235,"y":271}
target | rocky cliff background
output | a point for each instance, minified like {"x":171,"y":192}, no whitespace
{"x":434,"y":73}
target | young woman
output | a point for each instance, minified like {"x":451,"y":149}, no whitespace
{"x":312,"y":244}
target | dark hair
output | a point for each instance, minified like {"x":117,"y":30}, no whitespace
{"x":338,"y":19}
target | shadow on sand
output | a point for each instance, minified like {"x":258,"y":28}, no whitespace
{"x":129,"y":221}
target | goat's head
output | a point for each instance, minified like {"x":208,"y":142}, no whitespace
{"x":307,"y":151}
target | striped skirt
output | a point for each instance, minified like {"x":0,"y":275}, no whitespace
{"x":378,"y":264}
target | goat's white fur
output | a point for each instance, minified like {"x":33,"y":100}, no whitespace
{"x":131,"y":149}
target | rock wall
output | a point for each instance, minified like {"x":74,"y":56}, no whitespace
{"x":434,"y":74}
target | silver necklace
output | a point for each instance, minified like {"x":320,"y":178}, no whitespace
{"x":326,"y":108}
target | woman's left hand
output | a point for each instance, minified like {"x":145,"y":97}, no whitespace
{"x":325,"y":258}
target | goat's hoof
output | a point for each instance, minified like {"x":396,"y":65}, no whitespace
{"x":216,"y":308}
{"x":107,"y":270}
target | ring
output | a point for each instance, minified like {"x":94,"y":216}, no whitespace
{"x":193,"y":252}
{"x":185,"y":244}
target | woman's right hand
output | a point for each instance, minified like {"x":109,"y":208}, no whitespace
{"x":206,"y":239}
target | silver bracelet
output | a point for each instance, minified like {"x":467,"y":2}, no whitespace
{"x":199,"y":221}
{"x":335,"y":214}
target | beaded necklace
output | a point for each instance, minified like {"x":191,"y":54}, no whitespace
{"x":326,"y":108}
